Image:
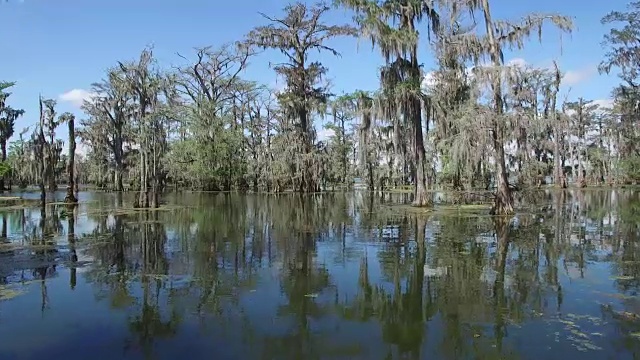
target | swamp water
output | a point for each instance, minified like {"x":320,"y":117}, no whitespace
{"x":334,"y":276}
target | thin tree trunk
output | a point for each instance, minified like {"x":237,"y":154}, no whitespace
{"x":143,"y":200}
{"x":557,"y":161}
{"x":503,"y":199}
{"x":70,"y":198}
{"x":421,"y":197}
{"x":41,"y":148}
{"x":3,"y":145}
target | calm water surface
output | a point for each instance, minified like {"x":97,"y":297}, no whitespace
{"x":337,"y":276}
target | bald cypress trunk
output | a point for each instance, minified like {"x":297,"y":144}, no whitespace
{"x":70,"y":197}
{"x":503,"y":198}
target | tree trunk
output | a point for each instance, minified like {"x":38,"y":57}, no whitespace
{"x":51,"y":177}
{"x":557,"y":162}
{"x":43,"y":191}
{"x":4,"y":227}
{"x":371,"y":181}
{"x":70,"y":198}
{"x":143,"y":200}
{"x":118,"y":176}
{"x":42,"y":164}
{"x":421,"y":197}
{"x":3,"y":146}
{"x":503,"y":198}
{"x":118,"y":155}
{"x":154,"y":200}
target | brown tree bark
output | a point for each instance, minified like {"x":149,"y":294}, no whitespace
{"x":70,"y":198}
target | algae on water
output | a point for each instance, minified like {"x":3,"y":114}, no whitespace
{"x":8,"y":293}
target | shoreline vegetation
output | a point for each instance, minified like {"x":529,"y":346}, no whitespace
{"x":478,"y":121}
{"x":451,"y":201}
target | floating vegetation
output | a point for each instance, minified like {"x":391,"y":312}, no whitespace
{"x":592,"y":319}
{"x":470,"y":210}
{"x":177,"y":279}
{"x":617,"y":295}
{"x":622,"y":277}
{"x":13,"y":246}
{"x":149,"y":222}
{"x":579,"y":338}
{"x":9,"y":292}
{"x":132,"y":211}
{"x":15,"y":200}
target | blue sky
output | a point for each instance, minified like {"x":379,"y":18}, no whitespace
{"x":58,"y":48}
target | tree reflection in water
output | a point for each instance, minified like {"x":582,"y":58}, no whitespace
{"x":340,"y":275}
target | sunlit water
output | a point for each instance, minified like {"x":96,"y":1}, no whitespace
{"x":225,"y":276}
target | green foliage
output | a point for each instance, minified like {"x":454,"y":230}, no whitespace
{"x":631,"y":169}
{"x":5,"y":169}
{"x":203,"y":126}
{"x":8,"y":115}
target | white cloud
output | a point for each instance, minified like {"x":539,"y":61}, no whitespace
{"x":324,"y":134}
{"x":76,"y":97}
{"x":428,"y":81}
{"x":517,"y":62}
{"x":574,"y":77}
{"x":82,"y":149}
{"x":605,"y":103}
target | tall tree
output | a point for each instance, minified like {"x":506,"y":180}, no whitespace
{"x":296,"y":35}
{"x":110,"y":112}
{"x":40,"y":148}
{"x":558,"y":173}
{"x":147,"y":86}
{"x":582,"y":116}
{"x":364,"y":107}
{"x":623,"y":53}
{"x":498,"y":36}
{"x":343,"y":111}
{"x":8,"y":117}
{"x":392,"y":26}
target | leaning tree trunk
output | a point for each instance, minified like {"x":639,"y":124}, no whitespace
{"x":70,"y":198}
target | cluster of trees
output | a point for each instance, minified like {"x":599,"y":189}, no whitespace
{"x":38,"y":159}
{"x":482,"y":120}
